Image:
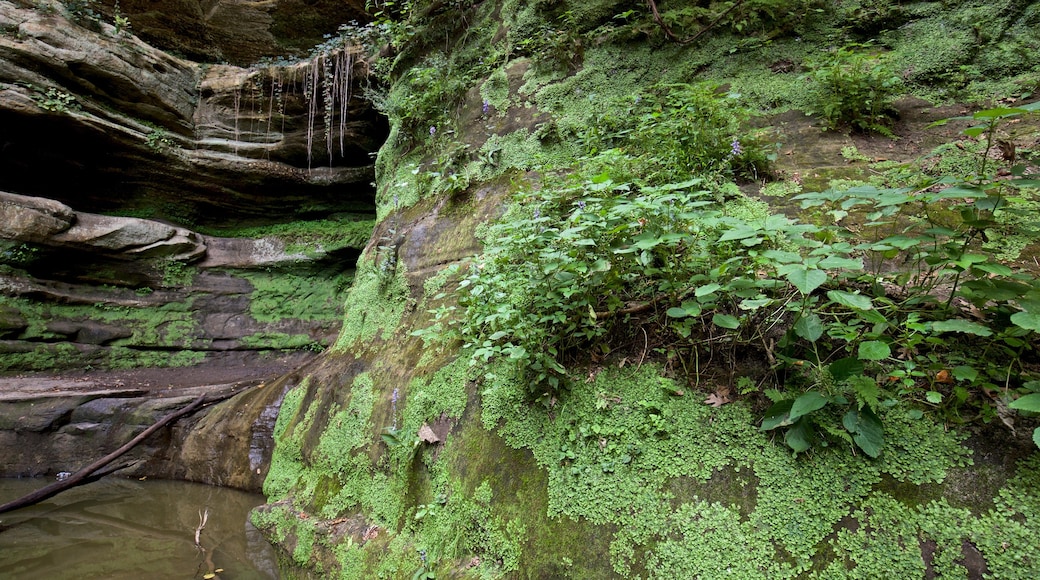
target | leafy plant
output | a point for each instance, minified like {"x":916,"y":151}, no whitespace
{"x":82,"y":11}
{"x":121,"y":21}
{"x":856,"y":89}
{"x":55,"y":100}
{"x":158,"y":139}
{"x":573,"y":266}
{"x":685,"y":22}
{"x":674,"y":130}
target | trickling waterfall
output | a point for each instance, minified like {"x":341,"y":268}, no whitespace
{"x":328,"y":78}
{"x":320,"y":88}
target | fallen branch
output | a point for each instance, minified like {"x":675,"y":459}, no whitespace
{"x":671,"y":35}
{"x":85,"y":473}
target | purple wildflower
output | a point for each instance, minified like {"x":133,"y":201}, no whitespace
{"x":433,"y":131}
{"x":735,"y":148}
{"x":485,"y":107}
{"x":581,"y":205}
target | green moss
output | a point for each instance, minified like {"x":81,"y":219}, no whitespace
{"x":285,"y":295}
{"x":164,"y":335}
{"x":708,"y":540}
{"x":376,"y":302}
{"x":287,"y":457}
{"x":312,"y":238}
{"x":280,"y":341}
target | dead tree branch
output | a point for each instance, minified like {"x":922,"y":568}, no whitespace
{"x":85,"y":473}
{"x":671,"y":35}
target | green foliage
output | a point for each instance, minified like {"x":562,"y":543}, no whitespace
{"x":626,"y":450}
{"x":689,"y":20}
{"x":570,"y":264}
{"x":938,"y":229}
{"x":82,"y":11}
{"x":121,"y":21}
{"x":54,"y":100}
{"x":673,"y":131}
{"x":560,"y":271}
{"x":176,"y":273}
{"x":375,"y":304}
{"x":18,"y":255}
{"x":158,"y":139}
{"x":856,"y":89}
{"x":279,"y":296}
{"x":563,"y":266}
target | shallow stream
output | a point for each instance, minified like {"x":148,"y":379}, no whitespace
{"x":122,"y":529}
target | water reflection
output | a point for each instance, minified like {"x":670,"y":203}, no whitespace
{"x":119,"y":528}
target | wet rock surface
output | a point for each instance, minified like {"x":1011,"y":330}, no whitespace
{"x":50,"y":423}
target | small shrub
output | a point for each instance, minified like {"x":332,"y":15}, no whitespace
{"x":672,"y":131}
{"x":856,"y":89}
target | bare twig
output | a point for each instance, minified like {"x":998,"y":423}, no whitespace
{"x":203,"y":518}
{"x":671,"y":35}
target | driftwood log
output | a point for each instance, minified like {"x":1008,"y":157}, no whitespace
{"x":84,"y":475}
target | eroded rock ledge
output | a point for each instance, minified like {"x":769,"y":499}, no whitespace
{"x":96,"y":118}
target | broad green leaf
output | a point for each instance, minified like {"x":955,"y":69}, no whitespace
{"x":867,"y":430}
{"x":798,"y":436}
{"x":809,"y":327}
{"x":1036,"y":436}
{"x":933,"y":397}
{"x":807,"y":280}
{"x":844,"y":368}
{"x":681,"y":185}
{"x":1027,"y":403}
{"x":739,"y":233}
{"x":676,"y":312}
{"x":807,"y":403}
{"x":778,"y":415}
{"x":999,"y":113}
{"x":831,"y":262}
{"x":706,"y":289}
{"x":965,"y":373}
{"x":782,"y":256}
{"x":850,"y":300}
{"x":726,"y":321}
{"x":754,"y":303}
{"x":874,"y":350}
{"x":1026,"y":320}
{"x":993,"y":268}
{"x":961,"y":325}
{"x":647,"y":241}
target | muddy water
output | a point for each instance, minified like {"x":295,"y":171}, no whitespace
{"x":123,"y":529}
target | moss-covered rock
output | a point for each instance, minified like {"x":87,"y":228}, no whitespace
{"x":399,"y":458}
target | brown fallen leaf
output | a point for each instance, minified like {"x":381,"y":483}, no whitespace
{"x":716,"y":401}
{"x":427,"y":435}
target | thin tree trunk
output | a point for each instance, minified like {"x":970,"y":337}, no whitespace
{"x":83,"y":474}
